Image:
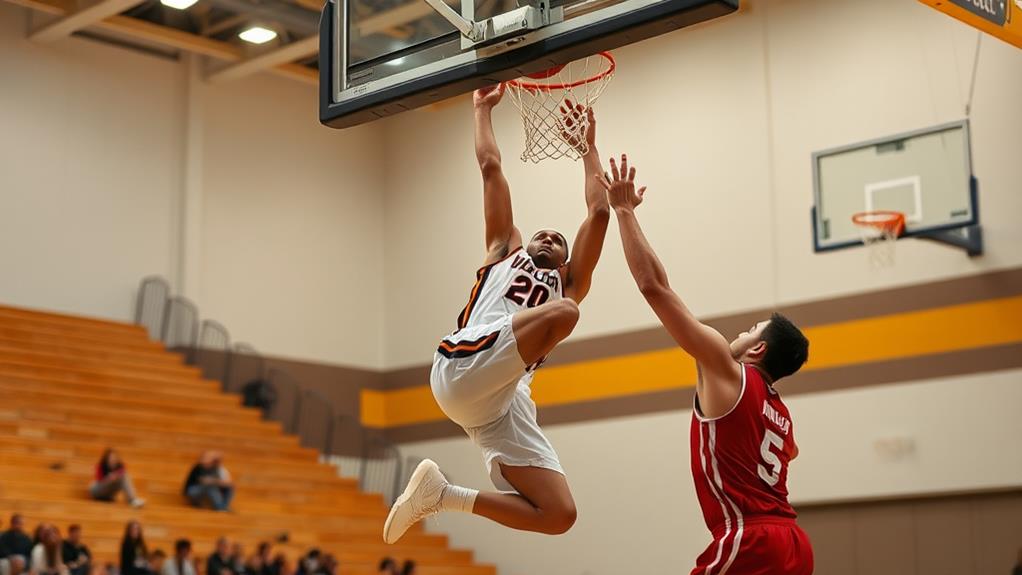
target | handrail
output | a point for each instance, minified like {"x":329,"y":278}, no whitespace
{"x":180,"y":314}
{"x":213,"y":336}
{"x":150,"y":300}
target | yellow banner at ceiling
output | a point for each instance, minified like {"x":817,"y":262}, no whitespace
{"x":999,"y":18}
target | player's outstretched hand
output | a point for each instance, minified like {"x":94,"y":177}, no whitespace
{"x":620,"y":185}
{"x":488,"y":97}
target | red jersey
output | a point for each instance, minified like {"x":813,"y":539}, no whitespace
{"x":740,"y":464}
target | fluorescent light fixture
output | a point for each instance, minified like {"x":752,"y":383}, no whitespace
{"x":179,"y":4}
{"x":257,"y":35}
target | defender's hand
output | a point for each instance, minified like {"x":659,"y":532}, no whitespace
{"x":621,"y":187}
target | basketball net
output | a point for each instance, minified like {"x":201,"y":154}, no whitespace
{"x":880,"y":231}
{"x":552,"y":131}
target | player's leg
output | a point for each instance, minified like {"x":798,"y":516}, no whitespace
{"x":543,"y":503}
{"x":538,"y":330}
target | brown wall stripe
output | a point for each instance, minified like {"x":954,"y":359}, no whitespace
{"x":911,"y":369}
{"x":343,"y":384}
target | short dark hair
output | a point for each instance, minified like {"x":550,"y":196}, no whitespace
{"x":74,"y":527}
{"x":182,"y":545}
{"x":787,"y":348}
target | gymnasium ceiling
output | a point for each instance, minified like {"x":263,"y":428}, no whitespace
{"x":211,"y":28}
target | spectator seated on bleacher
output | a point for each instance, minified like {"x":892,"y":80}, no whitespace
{"x":134,"y":555}
{"x":261,"y":563}
{"x":75,"y":554}
{"x":210,"y":482}
{"x":238,"y":560}
{"x":388,"y":567}
{"x":10,"y":564}
{"x":181,"y":563}
{"x":112,"y":478}
{"x":156,"y":560}
{"x":16,"y":541}
{"x":219,"y":562}
{"x":409,"y":568}
{"x":46,"y":555}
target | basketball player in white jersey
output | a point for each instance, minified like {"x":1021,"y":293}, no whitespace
{"x":524,"y":302}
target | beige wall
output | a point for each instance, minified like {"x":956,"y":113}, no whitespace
{"x":632,"y":481}
{"x":90,"y":156}
{"x":721,"y":122}
{"x":292,"y":225}
{"x":115,"y":165}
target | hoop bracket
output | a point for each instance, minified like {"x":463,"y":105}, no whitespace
{"x":968,"y":238}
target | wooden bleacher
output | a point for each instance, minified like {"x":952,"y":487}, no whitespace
{"x":72,"y":386}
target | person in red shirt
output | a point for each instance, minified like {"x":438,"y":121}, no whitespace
{"x":742,"y":438}
{"x":111,"y":478}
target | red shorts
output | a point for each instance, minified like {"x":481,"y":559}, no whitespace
{"x":765,"y":546}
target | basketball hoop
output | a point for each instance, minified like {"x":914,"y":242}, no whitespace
{"x":550,"y":132}
{"x":880,"y":230}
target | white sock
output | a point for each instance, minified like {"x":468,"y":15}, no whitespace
{"x":455,"y":498}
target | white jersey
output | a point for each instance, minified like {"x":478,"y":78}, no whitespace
{"x":507,"y":286}
{"x":479,"y":379}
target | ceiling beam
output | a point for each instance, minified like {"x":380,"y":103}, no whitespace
{"x":172,"y":37}
{"x":314,"y":5}
{"x":288,"y":53}
{"x":81,"y":19}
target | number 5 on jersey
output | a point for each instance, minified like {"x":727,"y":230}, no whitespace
{"x":770,"y":458}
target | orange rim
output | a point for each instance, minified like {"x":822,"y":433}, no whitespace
{"x":612,"y":65}
{"x":882,"y":220}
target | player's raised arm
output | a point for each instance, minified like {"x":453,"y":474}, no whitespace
{"x":585,"y":253}
{"x":501,"y":234}
{"x":720,"y":373}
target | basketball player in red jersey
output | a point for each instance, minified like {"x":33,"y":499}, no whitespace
{"x":742,"y":437}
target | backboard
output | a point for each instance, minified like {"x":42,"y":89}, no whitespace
{"x":925,"y":174}
{"x":382,"y":57}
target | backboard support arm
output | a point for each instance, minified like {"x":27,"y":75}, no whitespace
{"x":469,"y":28}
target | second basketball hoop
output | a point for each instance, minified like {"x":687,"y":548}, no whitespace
{"x":550,"y":133}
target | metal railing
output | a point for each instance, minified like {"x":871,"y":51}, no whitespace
{"x":381,"y":469}
{"x":175,"y":321}
{"x":181,"y":326}
{"x":152,"y":296}
{"x":246,"y":365}
{"x":213,"y":354}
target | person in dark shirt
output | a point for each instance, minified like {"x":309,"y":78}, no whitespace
{"x":219,"y":562}
{"x":134,"y":555}
{"x":209,"y":481}
{"x":76,"y":555}
{"x":10,"y":564}
{"x":16,"y":541}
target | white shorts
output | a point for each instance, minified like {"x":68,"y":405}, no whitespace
{"x":481,"y":383}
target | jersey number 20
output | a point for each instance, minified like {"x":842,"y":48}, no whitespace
{"x":522,"y":291}
{"x":773,"y":475}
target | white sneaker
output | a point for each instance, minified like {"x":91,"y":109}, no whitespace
{"x":421,"y":498}
{"x":138,"y":503}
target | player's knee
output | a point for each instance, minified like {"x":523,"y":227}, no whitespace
{"x":567,"y":313}
{"x":561,"y":518}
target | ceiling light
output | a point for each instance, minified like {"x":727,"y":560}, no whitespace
{"x":179,"y":4}
{"x":257,"y":35}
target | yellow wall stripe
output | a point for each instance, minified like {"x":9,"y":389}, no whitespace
{"x":911,"y":334}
